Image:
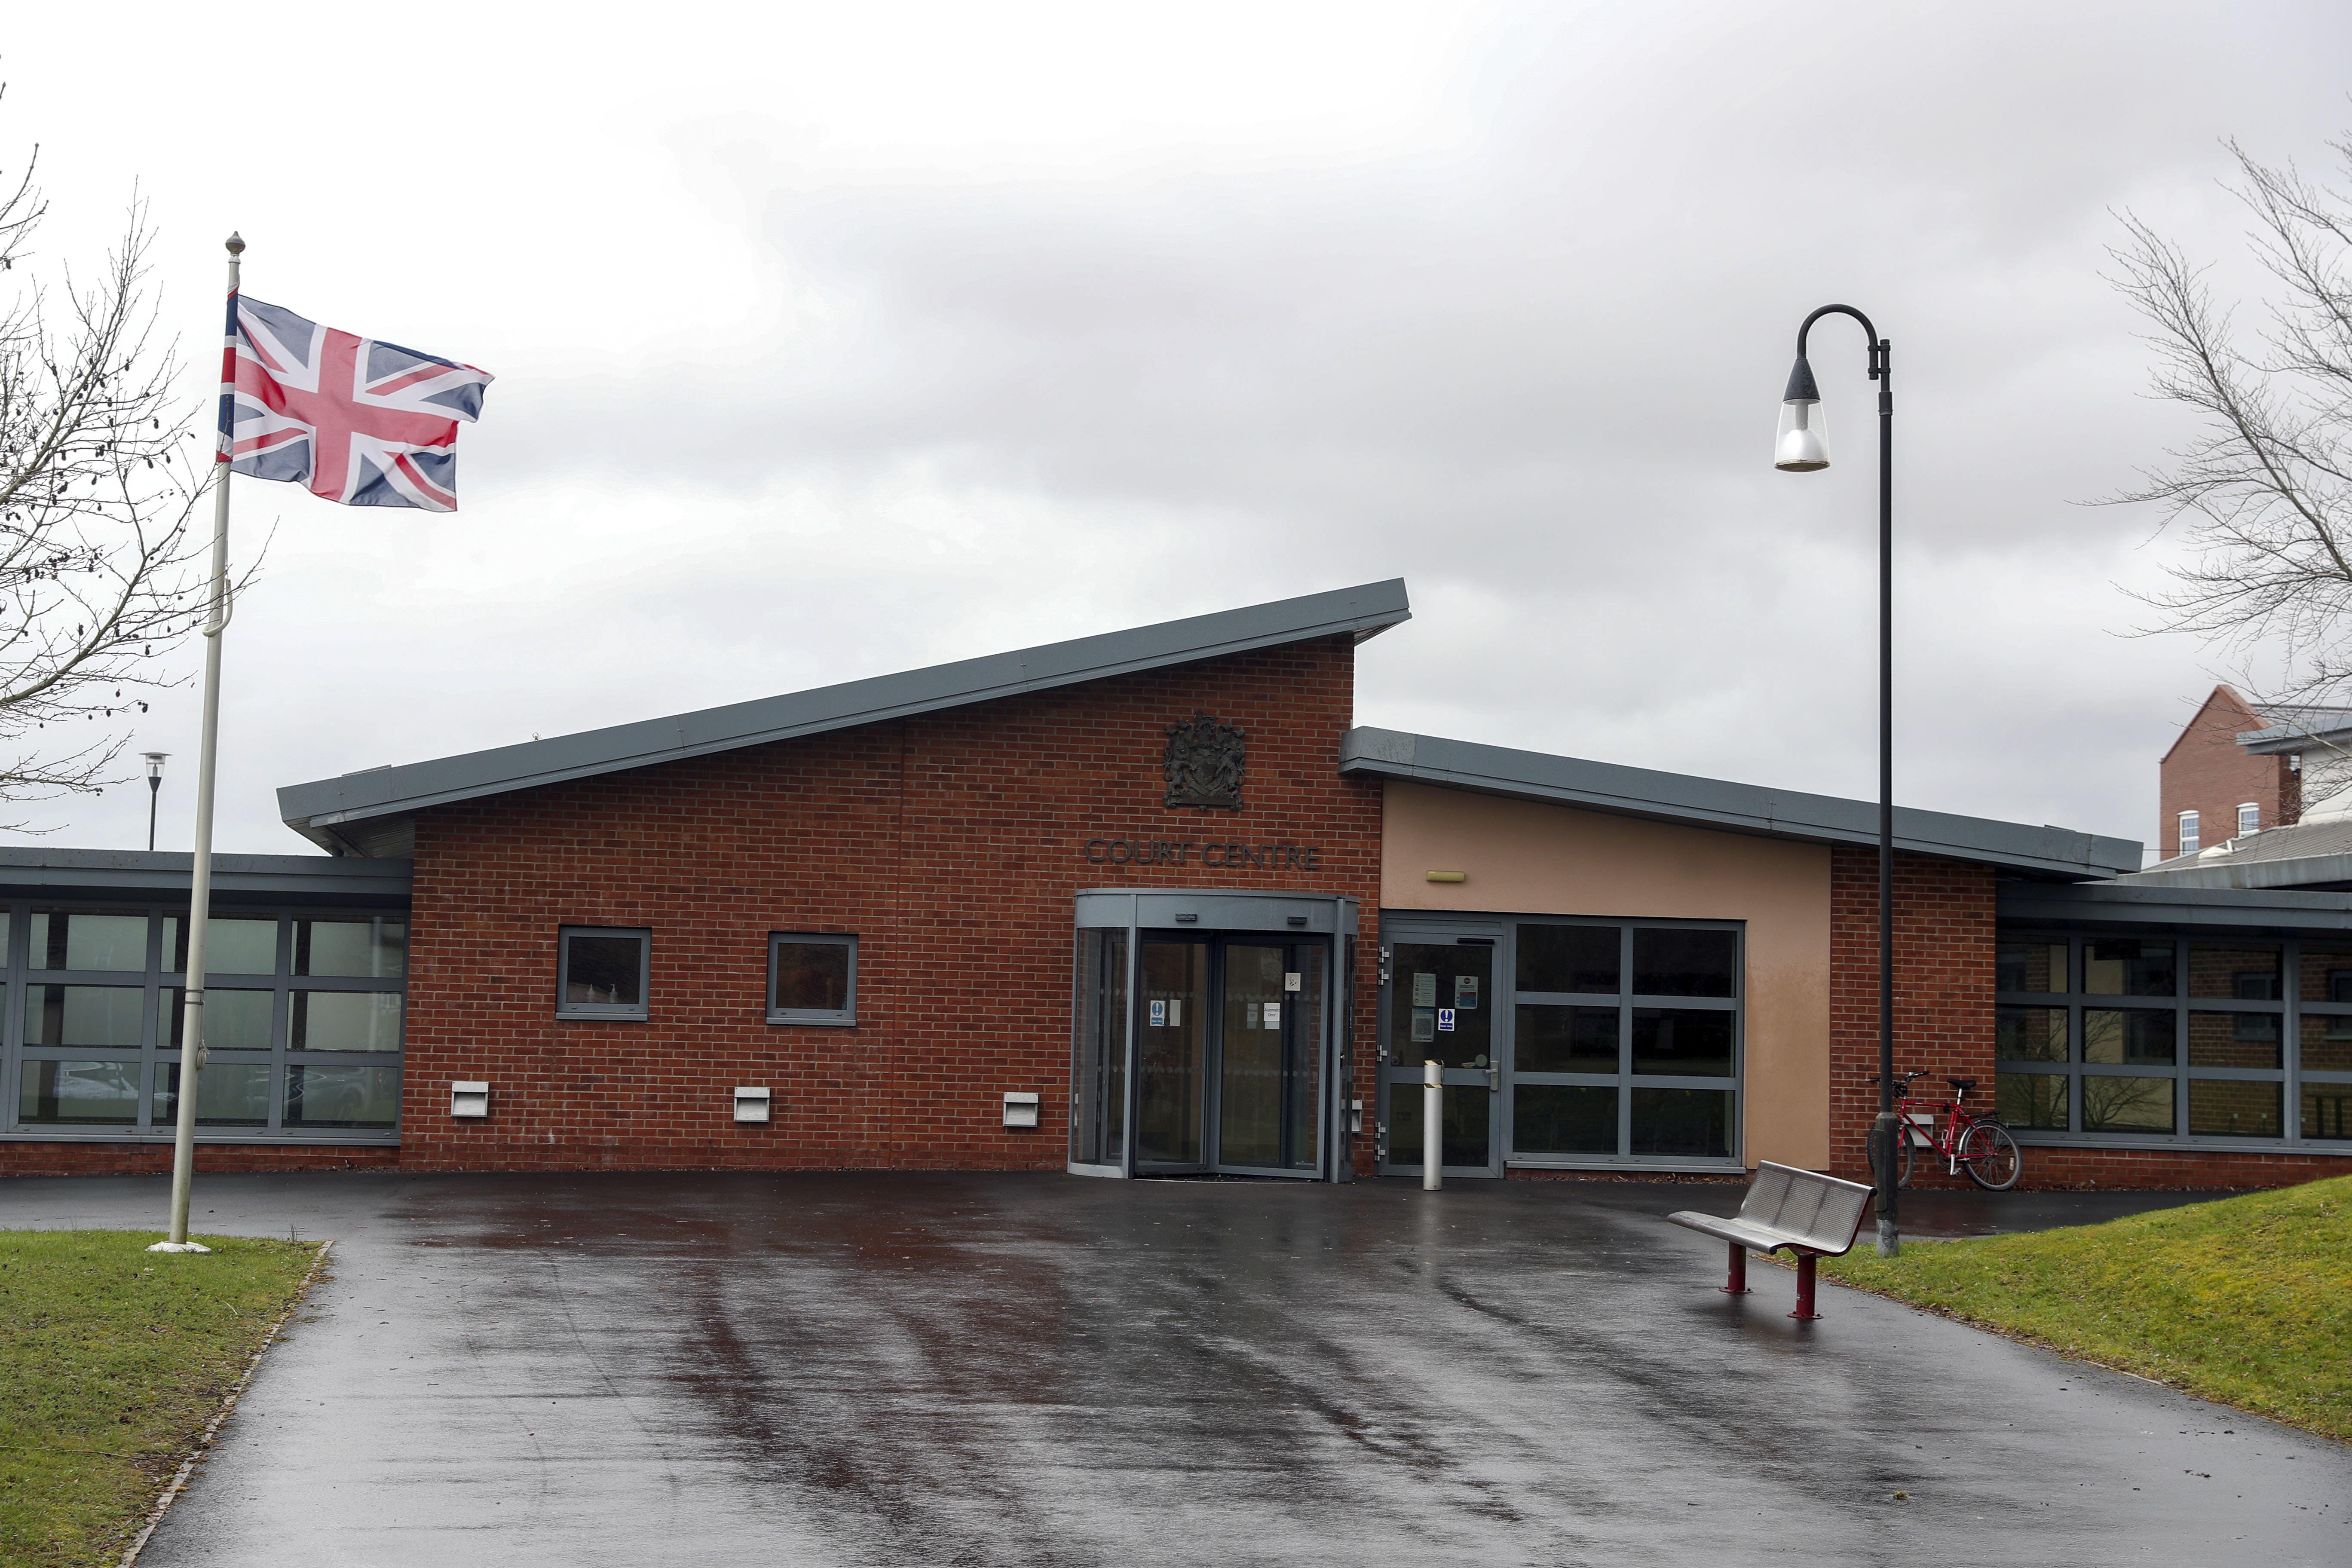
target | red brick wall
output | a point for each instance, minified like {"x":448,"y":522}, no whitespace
{"x":26,"y":1158}
{"x":2208,"y":773}
{"x":1943,"y":989}
{"x":950,"y":843}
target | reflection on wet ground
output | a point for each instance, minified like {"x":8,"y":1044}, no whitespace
{"x":1039,"y":1369}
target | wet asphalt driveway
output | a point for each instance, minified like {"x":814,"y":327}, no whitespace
{"x":915,"y":1368}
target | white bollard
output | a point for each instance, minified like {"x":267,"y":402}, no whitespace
{"x":1432,"y":1127}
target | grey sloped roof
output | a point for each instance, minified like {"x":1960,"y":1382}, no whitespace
{"x":2297,"y":729}
{"x":2300,"y":856}
{"x":331,"y":811}
{"x":1742,"y":808}
{"x":2127,"y":904}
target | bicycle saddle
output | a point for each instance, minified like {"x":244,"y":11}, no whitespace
{"x":1962,"y":1084}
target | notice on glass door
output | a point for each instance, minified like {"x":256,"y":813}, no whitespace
{"x":1273,"y":1014}
{"x":1424,"y":990}
{"x":1465,"y":992}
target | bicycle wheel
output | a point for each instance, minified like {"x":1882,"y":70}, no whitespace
{"x":1903,"y":1158}
{"x":1989,"y":1154}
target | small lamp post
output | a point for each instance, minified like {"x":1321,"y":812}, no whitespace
{"x":154,"y":788}
{"x":1802,"y":448}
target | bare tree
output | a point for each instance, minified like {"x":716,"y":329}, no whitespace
{"x":100,"y":472}
{"x":2263,"y":491}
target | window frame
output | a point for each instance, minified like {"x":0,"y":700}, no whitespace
{"x":827,"y":1017}
{"x":637,"y":1012}
{"x":2244,"y":829}
{"x":2287,"y":1010}
{"x":2186,"y":833}
{"x":1625,"y":1002}
{"x":151,"y":1060}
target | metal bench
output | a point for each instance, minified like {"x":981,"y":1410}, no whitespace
{"x":1810,"y":1215}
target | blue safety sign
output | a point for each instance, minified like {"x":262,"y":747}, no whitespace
{"x":1446,"y":1020}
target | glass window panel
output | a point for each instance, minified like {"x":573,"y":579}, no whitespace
{"x":369,"y":949}
{"x":1098,"y":1119}
{"x":811,"y":976}
{"x":344,"y":1021}
{"x":1567,"y":1039}
{"x":84,"y":1016}
{"x":2324,"y":972}
{"x":2328,"y":1111}
{"x":1683,"y":1042}
{"x":2227,"y":1108}
{"x":1445,"y":983}
{"x":1465,"y":1134}
{"x":2234,"y":1039}
{"x":604,"y":971}
{"x":358,"y":1096}
{"x":64,"y":1094}
{"x":2246,"y":971}
{"x":1563,"y":1119}
{"x":2033,"y":965}
{"x":233,"y":944}
{"x":1687,"y":1121}
{"x":234,"y":1020}
{"x":2137,"y":1037}
{"x":74,"y":938}
{"x":2326,"y":1043}
{"x":1669,"y":963}
{"x":2124,"y":966}
{"x":1568,"y":958}
{"x":2126,"y":1104}
{"x":2033,"y":1100}
{"x":228,"y":1094}
{"x":2029,"y":1034}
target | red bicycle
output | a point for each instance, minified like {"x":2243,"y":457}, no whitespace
{"x":1979,"y":1145}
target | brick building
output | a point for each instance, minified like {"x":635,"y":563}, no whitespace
{"x":2233,"y":771}
{"x":1151,"y":902}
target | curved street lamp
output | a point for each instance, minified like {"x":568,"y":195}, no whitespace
{"x":1802,"y":448}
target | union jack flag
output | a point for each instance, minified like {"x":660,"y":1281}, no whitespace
{"x":361,"y":422}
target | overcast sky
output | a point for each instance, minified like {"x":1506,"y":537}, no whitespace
{"x":836,"y":339}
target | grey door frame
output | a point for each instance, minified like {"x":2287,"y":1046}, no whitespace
{"x":1446,"y":932}
{"x":1328,"y":920}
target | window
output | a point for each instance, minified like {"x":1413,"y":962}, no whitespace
{"x":2187,"y":845}
{"x":602,"y":973}
{"x":812,"y":979}
{"x":2250,"y":818}
{"x":1624,"y":1041}
{"x":2175,"y":1040}
{"x":92,"y":1019}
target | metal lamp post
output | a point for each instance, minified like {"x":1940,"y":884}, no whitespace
{"x":154,"y":789}
{"x":1803,"y":449}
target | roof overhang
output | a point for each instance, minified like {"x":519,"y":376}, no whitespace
{"x":2309,"y":871}
{"x":37,"y":872}
{"x":2109,"y":906}
{"x":2052,"y":852}
{"x":331,"y":812}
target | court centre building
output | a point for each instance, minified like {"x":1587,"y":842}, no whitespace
{"x":1145,"y":903}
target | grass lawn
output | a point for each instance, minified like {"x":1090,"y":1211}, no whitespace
{"x":112,"y":1361}
{"x":2247,"y":1300}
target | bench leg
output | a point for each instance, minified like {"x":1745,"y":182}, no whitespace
{"x":1738,"y":1284}
{"x":1805,"y":1312}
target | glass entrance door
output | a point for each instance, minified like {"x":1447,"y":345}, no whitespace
{"x":1171,"y":1055}
{"x":1440,"y":1007}
{"x":1229,"y":1056}
{"x":1269,"y":1056}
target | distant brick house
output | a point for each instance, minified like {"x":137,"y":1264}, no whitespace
{"x":2235,"y":770}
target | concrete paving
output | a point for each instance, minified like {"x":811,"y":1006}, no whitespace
{"x":916,"y":1369}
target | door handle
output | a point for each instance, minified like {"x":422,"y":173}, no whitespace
{"x":1493,"y":1077}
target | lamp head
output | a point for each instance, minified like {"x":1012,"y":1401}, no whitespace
{"x":154,"y":764}
{"x":1801,"y":446}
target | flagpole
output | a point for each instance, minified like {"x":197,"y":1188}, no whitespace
{"x":200,"y":875}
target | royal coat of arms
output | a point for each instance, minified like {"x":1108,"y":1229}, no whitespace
{"x":1204,"y":765}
